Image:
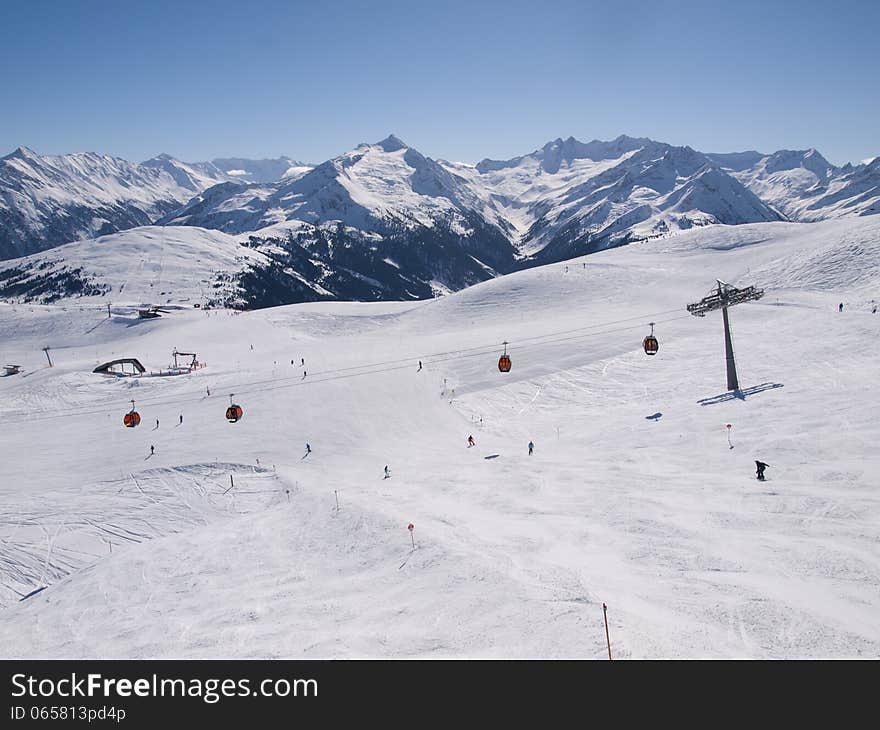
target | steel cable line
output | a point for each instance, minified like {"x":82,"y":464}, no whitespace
{"x":247,"y":387}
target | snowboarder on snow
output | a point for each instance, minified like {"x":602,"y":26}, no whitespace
{"x":471,"y":441}
{"x":761,"y":466}
{"x":387,"y":472}
{"x":531,"y":448}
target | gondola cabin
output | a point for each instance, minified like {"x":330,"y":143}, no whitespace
{"x":234,"y":413}
{"x":131,"y":419}
{"x":650,"y":343}
{"x":504,"y":361}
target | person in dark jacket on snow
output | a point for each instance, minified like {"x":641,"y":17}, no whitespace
{"x":531,"y":448}
{"x":761,"y":466}
{"x":471,"y":441}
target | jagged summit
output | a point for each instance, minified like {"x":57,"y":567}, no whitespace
{"x":391,"y":144}
{"x":20,"y":152}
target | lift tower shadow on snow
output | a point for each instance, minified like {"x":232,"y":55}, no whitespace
{"x":723,"y":297}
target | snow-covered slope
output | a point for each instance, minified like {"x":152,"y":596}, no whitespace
{"x":633,"y":496}
{"x":804,"y":186}
{"x":142,"y":266}
{"x":49,"y":200}
{"x":285,"y":263}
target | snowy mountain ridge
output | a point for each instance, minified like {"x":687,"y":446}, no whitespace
{"x":383,"y":221}
{"x":49,"y":200}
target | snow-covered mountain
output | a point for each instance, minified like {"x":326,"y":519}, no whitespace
{"x":285,"y":264}
{"x":570,"y":198}
{"x":383,"y":221}
{"x":374,"y":187}
{"x":47,"y":200}
{"x":384,"y":197}
{"x":804,"y":186}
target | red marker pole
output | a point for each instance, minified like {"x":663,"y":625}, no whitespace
{"x":607,"y":637}
{"x":411,"y":527}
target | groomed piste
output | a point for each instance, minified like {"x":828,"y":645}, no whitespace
{"x":192,"y":535}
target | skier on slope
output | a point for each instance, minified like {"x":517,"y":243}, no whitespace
{"x":420,"y":366}
{"x":308,"y":449}
{"x":531,"y":448}
{"x":840,"y":307}
{"x":387,"y":472}
{"x":760,"y":469}
{"x":180,"y":423}
{"x":152,"y":449}
{"x":471,"y":441}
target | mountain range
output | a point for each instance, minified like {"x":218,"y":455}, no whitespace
{"x":383,"y":221}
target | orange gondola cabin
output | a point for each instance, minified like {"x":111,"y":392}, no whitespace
{"x":234,"y":413}
{"x":650,"y":343}
{"x":132,"y":418}
{"x":504,"y":361}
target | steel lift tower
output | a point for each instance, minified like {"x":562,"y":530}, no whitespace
{"x":722,"y":298}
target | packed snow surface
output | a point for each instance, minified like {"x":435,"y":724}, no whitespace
{"x":227,"y":541}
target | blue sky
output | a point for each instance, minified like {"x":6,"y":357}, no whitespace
{"x":459,"y":80}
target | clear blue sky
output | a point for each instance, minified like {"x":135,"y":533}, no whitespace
{"x":460,"y":80}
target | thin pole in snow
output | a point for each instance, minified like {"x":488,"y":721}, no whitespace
{"x":336,"y":494}
{"x":728,"y":435}
{"x":411,"y":527}
{"x":46,"y":350}
{"x":607,"y":637}
{"x":231,"y":483}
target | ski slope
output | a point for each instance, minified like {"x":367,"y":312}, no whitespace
{"x":632,"y":497}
